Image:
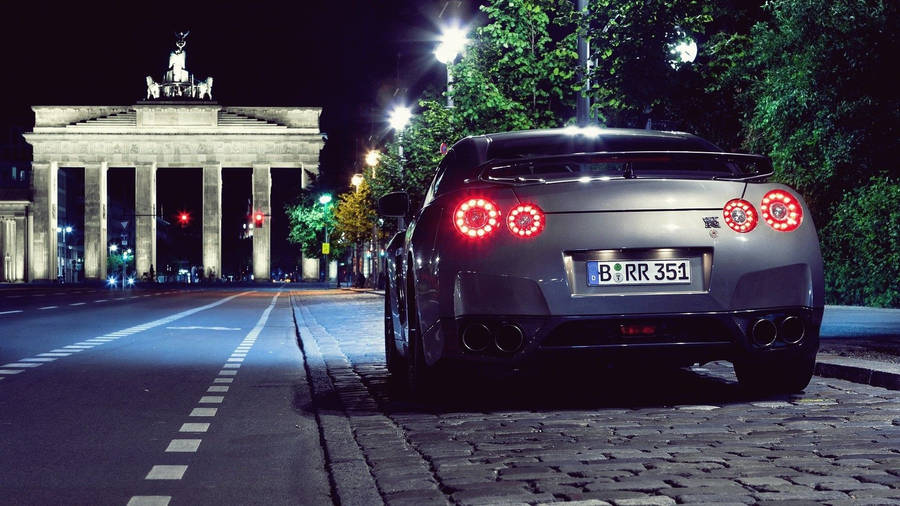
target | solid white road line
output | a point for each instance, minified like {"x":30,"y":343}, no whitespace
{"x":166,"y":473}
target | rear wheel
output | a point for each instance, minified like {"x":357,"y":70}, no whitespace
{"x":396,"y":364}
{"x":786,"y":375}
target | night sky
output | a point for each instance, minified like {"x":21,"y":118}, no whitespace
{"x":348,"y":57}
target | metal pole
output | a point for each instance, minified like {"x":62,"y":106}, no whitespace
{"x":582,"y":102}
{"x":327,"y":265}
{"x":449,"y":87}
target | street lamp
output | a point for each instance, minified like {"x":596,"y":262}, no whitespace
{"x":356,"y":180}
{"x":452,"y":42}
{"x":682,"y":51}
{"x":325,"y":199}
{"x":398,"y":119}
{"x":65,"y":269}
{"x":372,"y":158}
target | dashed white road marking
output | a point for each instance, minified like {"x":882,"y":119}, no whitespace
{"x":232,"y":359}
{"x":70,"y":351}
{"x":53,"y":354}
{"x":223,"y":372}
{"x":184,"y":445}
{"x":204,"y":412}
{"x":194,"y":427}
{"x":214,"y":389}
{"x":11,"y":312}
{"x":223,"y":380}
{"x":201,"y":327}
{"x":11,"y":371}
{"x":149,"y":500}
{"x":78,"y":304}
{"x":22,"y":364}
{"x":47,"y":307}
{"x":101,"y":300}
{"x":166,"y":473}
{"x":208,"y":399}
{"x":45,"y":359}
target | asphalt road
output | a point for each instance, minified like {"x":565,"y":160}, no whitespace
{"x":203,"y":396}
{"x":116,"y":398}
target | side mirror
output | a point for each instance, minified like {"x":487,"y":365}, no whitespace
{"x":395,"y":204}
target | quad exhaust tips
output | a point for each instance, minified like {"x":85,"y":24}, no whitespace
{"x":508,"y":338}
{"x":790,"y":330}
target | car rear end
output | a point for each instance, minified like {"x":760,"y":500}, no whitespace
{"x":682,"y":268}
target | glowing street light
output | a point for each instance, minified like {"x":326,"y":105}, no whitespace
{"x":399,"y":117}
{"x":356,"y":180}
{"x":683,"y":51}
{"x":372,"y":158}
{"x":452,"y":42}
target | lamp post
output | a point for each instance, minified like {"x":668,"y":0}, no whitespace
{"x":65,"y":267}
{"x":452,"y":42}
{"x":325,"y":199}
{"x":372,"y":158}
{"x":399,"y":117}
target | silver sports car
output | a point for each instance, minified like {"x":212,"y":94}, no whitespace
{"x":579,"y":246}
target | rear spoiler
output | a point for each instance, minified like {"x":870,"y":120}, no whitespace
{"x":763,"y":163}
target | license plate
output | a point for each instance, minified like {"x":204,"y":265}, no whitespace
{"x":639,"y":272}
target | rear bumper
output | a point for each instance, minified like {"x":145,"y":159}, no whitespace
{"x":676,"y":339}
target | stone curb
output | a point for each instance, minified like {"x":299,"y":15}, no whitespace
{"x":350,"y":477}
{"x":866,"y":372}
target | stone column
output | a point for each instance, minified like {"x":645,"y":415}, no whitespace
{"x":212,"y":219}
{"x":262,"y":190}
{"x":44,"y":180}
{"x":8,"y":249}
{"x":95,"y":221}
{"x":145,"y":218}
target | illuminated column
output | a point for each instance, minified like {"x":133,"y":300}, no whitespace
{"x":212,"y":220}
{"x":262,"y":190}
{"x":44,"y":180}
{"x":95,"y":221}
{"x":145,"y":217}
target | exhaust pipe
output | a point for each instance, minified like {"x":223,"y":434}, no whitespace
{"x":509,"y":338}
{"x":792,"y":330}
{"x":763,"y":332}
{"x":476,"y":337}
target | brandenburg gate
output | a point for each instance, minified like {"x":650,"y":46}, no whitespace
{"x":176,"y":126}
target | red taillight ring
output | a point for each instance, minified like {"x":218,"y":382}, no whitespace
{"x":781,"y":210}
{"x":740,"y":215}
{"x":476,"y":218}
{"x":526,"y":220}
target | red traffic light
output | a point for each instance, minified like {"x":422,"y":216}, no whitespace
{"x":184,"y":218}
{"x":258,"y":219}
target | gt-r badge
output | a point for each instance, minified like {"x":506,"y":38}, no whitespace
{"x":711,"y":221}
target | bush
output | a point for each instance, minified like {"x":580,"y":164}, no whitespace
{"x":861,"y":246}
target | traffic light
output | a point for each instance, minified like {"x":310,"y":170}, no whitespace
{"x":184,"y":218}
{"x":258,"y":219}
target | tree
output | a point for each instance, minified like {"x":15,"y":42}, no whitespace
{"x":355,"y":217}
{"x":634,"y":78}
{"x":307,"y":219}
{"x":519,"y":70}
{"x":823,"y":108}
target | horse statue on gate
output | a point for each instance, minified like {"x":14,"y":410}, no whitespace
{"x":152,"y":88}
{"x":204,"y":88}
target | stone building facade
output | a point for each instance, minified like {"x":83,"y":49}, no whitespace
{"x":148,"y":136}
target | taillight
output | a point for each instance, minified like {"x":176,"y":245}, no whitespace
{"x":476,"y":217}
{"x":781,"y":210}
{"x":740,"y":215}
{"x":526,"y":220}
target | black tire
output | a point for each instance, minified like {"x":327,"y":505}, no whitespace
{"x":775,"y":376}
{"x":396,"y":364}
{"x":420,"y":377}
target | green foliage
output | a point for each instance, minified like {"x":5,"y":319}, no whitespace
{"x":823,"y":108}
{"x":861,"y":246}
{"x":630,"y":40}
{"x":355,"y":215}
{"x":307,"y":219}
{"x":519,"y":70}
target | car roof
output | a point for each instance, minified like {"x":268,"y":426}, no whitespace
{"x":560,"y":141}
